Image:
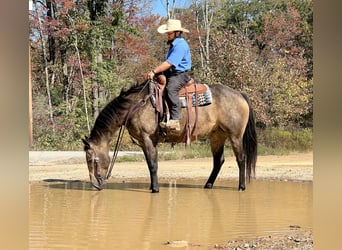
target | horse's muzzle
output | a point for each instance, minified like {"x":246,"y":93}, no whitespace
{"x":97,"y":182}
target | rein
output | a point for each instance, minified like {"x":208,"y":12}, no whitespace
{"x":131,"y":111}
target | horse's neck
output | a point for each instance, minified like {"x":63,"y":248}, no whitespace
{"x":114,"y":116}
{"x":104,"y":131}
{"x":103,"y":138}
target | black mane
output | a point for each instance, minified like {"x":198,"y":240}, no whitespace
{"x":135,"y":88}
{"x":114,"y":113}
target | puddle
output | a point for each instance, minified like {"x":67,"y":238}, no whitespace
{"x":71,"y":215}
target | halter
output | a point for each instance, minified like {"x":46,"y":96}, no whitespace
{"x":131,"y":111}
{"x":95,"y":160}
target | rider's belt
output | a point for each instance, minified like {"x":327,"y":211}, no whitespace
{"x":178,"y":72}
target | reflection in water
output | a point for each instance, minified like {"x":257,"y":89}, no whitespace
{"x":127,"y":216}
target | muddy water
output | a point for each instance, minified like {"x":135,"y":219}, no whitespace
{"x":71,"y":215}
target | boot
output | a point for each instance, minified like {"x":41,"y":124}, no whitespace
{"x":173,"y":125}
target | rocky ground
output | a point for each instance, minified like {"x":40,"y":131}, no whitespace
{"x":298,"y":239}
{"x":293,"y":167}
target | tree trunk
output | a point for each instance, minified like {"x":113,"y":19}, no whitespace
{"x":51,"y":40}
{"x":204,"y":45}
{"x":82,"y":76}
{"x":30,"y":103}
{"x":46,"y":67}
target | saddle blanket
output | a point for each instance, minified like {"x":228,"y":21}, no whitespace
{"x":203,"y":99}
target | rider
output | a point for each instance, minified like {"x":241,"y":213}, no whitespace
{"x":175,"y":68}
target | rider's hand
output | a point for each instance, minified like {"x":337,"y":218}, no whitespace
{"x":150,"y":75}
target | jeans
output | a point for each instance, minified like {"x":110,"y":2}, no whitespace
{"x":174,"y":83}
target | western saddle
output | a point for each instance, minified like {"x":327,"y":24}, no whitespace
{"x":190,"y":90}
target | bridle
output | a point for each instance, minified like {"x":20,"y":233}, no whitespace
{"x":131,"y":111}
{"x":95,"y":159}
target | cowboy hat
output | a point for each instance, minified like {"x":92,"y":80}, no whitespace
{"x":171,"y":25}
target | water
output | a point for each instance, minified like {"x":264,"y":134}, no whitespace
{"x":72,"y":215}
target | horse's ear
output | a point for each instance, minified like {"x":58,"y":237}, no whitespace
{"x":86,"y":143}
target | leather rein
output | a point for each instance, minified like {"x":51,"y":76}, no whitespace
{"x":131,"y":111}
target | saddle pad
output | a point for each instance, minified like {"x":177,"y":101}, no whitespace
{"x":203,"y":99}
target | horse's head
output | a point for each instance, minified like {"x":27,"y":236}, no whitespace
{"x":98,"y":162}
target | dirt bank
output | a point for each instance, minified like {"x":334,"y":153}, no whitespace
{"x":72,"y":166}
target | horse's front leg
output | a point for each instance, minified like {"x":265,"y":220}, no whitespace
{"x":151,"y":156}
{"x":154,"y":187}
{"x":218,"y":160}
{"x":217,"y":148}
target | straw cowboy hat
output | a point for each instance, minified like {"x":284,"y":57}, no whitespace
{"x":172,"y":25}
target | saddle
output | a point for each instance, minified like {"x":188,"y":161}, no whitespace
{"x":192,"y":95}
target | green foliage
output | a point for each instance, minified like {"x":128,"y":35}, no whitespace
{"x":270,"y":141}
{"x":277,"y":141}
{"x":107,"y":80}
{"x":288,"y":97}
{"x":245,"y":15}
{"x":197,"y":149}
{"x":64,"y":134}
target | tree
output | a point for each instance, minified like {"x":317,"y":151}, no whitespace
{"x":84,"y":48}
{"x":289,"y":90}
{"x":258,"y":50}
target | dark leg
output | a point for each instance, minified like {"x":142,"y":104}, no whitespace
{"x":218,"y":162}
{"x":242,"y":174}
{"x":151,"y":155}
{"x":240,"y":159}
{"x":217,"y":149}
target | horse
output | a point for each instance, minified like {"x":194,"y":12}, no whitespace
{"x":229,"y":116}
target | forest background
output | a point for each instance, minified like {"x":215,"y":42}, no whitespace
{"x":83,"y":52}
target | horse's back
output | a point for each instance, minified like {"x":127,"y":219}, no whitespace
{"x":226,"y":94}
{"x":229,"y":108}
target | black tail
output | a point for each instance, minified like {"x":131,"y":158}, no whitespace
{"x":250,"y":142}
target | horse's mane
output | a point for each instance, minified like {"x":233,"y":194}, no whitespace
{"x":115,"y":111}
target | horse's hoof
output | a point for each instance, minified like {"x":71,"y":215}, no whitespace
{"x":98,"y":187}
{"x":208,"y":185}
{"x":241,"y":189}
{"x":155,"y":191}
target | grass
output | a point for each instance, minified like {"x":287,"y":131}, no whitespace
{"x":270,"y":142}
{"x":276,"y":141}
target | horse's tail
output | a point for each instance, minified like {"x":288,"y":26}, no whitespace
{"x":250,"y":142}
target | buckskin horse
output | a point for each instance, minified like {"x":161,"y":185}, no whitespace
{"x":229,"y":116}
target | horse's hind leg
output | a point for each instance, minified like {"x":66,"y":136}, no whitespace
{"x":241,"y":161}
{"x":217,"y":148}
